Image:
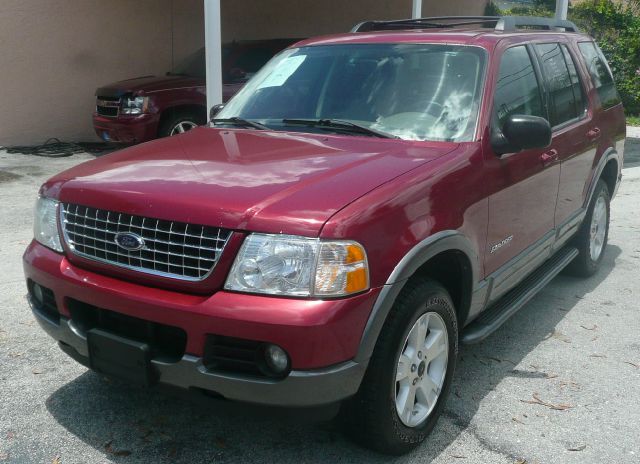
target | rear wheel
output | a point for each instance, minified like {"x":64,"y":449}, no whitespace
{"x":408,"y":378}
{"x":591,"y":240}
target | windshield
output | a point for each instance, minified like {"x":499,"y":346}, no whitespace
{"x":412,"y":91}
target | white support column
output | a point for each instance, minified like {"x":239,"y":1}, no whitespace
{"x":416,"y":11}
{"x":561,"y":9}
{"x":213,"y":52}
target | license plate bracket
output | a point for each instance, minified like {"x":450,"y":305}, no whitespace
{"x":120,"y":357}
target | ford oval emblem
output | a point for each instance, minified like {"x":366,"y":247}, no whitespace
{"x":129,"y":241}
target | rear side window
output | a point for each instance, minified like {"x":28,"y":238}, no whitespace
{"x":600,"y":74}
{"x":560,"y":84}
{"x":517,"y":89}
{"x":576,"y":85}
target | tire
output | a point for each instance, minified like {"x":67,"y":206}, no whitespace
{"x":591,"y":239}
{"x":179,"y":122}
{"x":371,"y":418}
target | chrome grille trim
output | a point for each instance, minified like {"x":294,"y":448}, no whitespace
{"x":171,"y":249}
{"x":108,"y":106}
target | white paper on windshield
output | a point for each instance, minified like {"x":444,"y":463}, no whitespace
{"x":285,"y":69}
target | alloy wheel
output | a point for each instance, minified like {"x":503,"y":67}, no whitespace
{"x":421,"y":369}
{"x":182,"y":126}
{"x":598,"y":228}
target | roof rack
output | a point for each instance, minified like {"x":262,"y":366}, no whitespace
{"x":498,"y":23}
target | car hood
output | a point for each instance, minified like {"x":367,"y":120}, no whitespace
{"x":148,"y":84}
{"x":264,"y":181}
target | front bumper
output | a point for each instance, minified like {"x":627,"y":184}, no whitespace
{"x":301,"y":388}
{"x":126,"y":129}
{"x":321,"y":337}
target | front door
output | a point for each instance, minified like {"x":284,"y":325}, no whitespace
{"x":523,"y":186}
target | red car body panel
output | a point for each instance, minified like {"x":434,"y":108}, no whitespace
{"x":415,"y":206}
{"x":316,"y":333}
{"x":262,"y":181}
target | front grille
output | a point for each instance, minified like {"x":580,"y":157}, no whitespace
{"x":171,"y":249}
{"x":108,"y":106}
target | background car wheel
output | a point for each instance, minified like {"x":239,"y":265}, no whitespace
{"x":592,"y":237}
{"x":179,"y":122}
{"x":409,"y":374}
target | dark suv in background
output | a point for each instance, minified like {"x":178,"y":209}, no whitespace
{"x":144,"y":108}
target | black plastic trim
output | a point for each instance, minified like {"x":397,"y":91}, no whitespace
{"x":509,"y":274}
{"x":447,"y":240}
{"x":608,"y":155}
{"x":301,"y":388}
{"x":495,"y":316}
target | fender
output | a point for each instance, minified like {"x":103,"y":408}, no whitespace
{"x":446,"y":240}
{"x":608,"y":155}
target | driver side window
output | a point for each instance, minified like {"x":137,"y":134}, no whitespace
{"x":517,"y":89}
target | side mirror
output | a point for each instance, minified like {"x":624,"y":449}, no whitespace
{"x":521,"y":132}
{"x":215,"y":109}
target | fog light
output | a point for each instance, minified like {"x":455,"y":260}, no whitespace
{"x":276,"y":359}
{"x":36,"y":290}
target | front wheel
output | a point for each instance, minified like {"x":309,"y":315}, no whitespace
{"x":409,"y":375}
{"x":591,"y":239}
{"x":179,"y":123}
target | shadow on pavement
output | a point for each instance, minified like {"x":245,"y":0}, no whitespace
{"x":141,"y":426}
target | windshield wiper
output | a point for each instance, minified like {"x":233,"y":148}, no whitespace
{"x":339,"y":124}
{"x":235,"y":121}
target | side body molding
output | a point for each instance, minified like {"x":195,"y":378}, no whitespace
{"x":446,"y":240}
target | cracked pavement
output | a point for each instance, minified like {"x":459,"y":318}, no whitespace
{"x":559,"y":382}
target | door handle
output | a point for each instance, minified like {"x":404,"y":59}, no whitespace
{"x":594,"y":133}
{"x":549,"y":157}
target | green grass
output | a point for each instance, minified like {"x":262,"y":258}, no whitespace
{"x":633,"y":120}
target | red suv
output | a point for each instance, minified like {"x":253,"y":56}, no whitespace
{"x":365,"y":203}
{"x":144,"y":108}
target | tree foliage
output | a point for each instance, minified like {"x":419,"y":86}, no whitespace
{"x":616,"y":28}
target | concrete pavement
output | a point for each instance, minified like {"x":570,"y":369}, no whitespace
{"x":559,"y":383}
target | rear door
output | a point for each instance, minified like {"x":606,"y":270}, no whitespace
{"x":574,"y":133}
{"x":608,"y":116}
{"x":523,"y":186}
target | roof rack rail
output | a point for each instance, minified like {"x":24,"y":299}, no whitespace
{"x":498,"y":23}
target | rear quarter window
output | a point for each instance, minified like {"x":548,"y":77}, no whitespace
{"x":600,"y":74}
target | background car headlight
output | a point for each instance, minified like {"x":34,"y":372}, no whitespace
{"x":135,"y":105}
{"x":299,"y":266}
{"x":45,"y":223}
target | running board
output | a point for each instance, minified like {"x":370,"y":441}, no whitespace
{"x":497,"y":314}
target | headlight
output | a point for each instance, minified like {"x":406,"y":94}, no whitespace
{"x":135,"y":105}
{"x":299,"y":266}
{"x":45,"y":223}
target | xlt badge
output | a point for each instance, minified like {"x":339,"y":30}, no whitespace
{"x":499,"y":245}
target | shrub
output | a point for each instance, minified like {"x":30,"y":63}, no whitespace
{"x":616,"y":28}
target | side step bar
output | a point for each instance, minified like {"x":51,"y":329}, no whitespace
{"x":496,"y":315}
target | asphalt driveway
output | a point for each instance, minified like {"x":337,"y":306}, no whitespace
{"x":559,"y":383}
